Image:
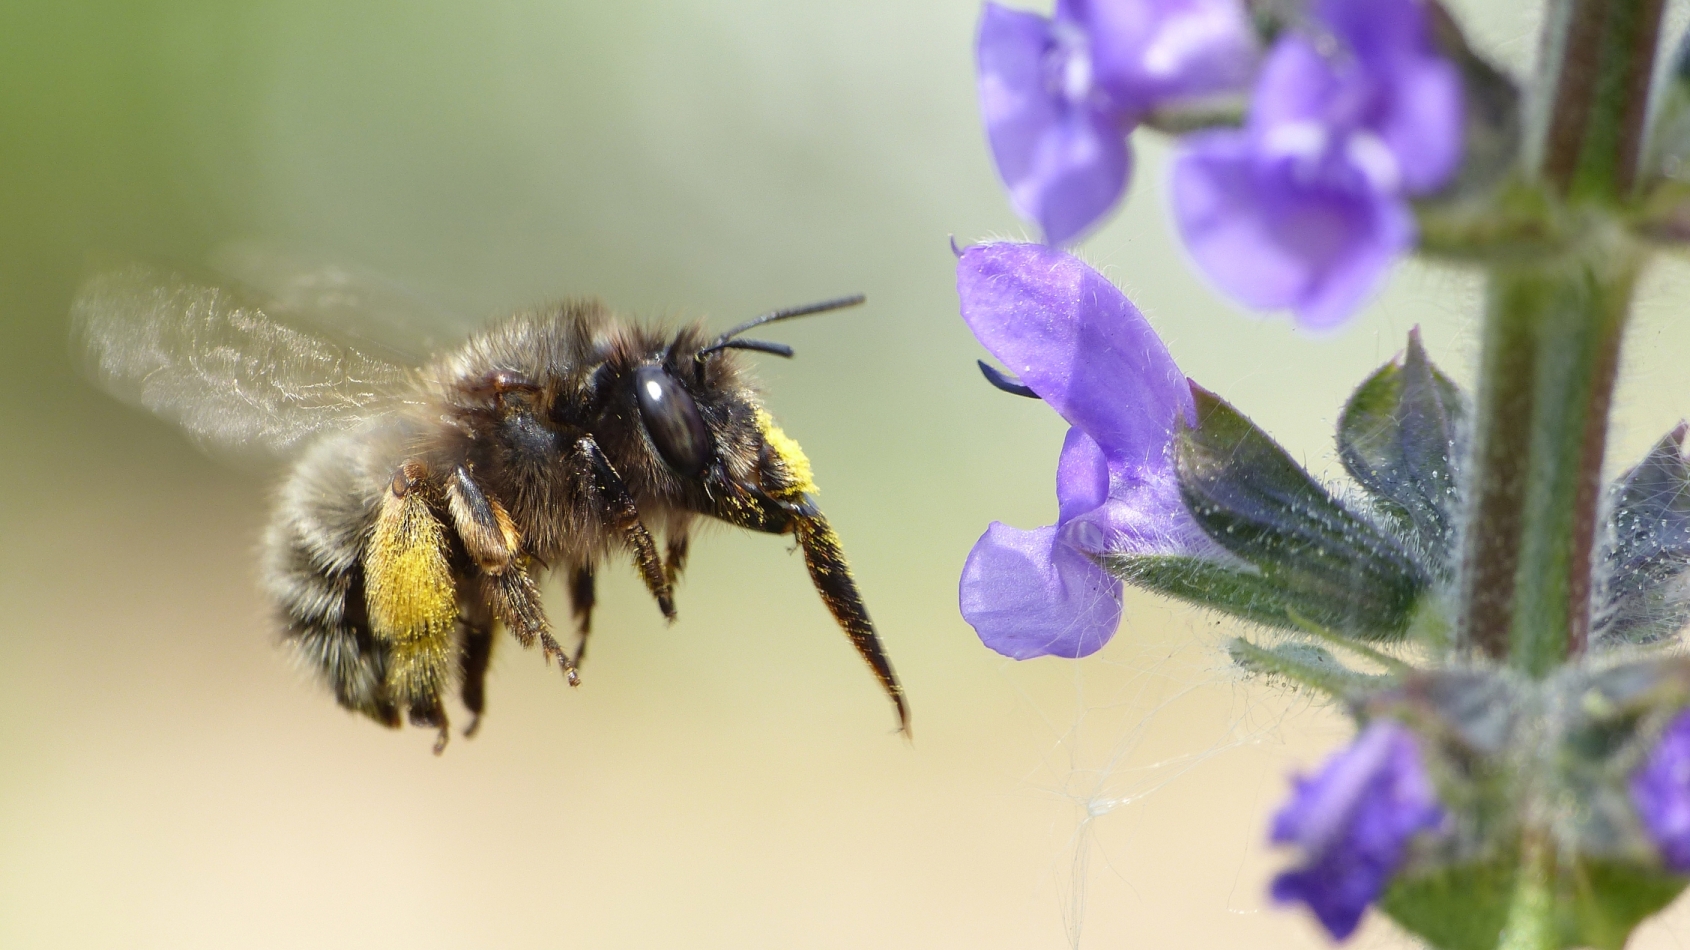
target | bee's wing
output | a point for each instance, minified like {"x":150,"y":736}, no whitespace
{"x":236,"y":379}
{"x":347,"y":303}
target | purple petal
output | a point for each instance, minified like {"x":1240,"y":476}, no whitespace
{"x":1391,"y":105}
{"x":1082,"y":476}
{"x":1077,"y":341}
{"x":1144,"y":515}
{"x":1660,"y":789}
{"x":1028,"y":595}
{"x":1379,"y":30}
{"x":1146,"y":53}
{"x":1064,"y":159}
{"x":1296,"y":86}
{"x":1423,"y":125}
{"x":1271,"y":241}
{"x":1353,"y":821}
{"x":1416,"y":98}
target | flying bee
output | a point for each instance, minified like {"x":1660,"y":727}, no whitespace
{"x":423,"y":501}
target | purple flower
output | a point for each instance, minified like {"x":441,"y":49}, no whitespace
{"x":1305,"y":207}
{"x":1351,"y":822}
{"x":1661,"y":791}
{"x":1059,"y":95}
{"x":1077,"y":342}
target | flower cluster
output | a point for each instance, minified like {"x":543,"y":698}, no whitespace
{"x":1162,"y":485}
{"x":1154,"y":483}
{"x":1059,"y":95}
{"x":1305,"y":207}
{"x":1521,"y":770}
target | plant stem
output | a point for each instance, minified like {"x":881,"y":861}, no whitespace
{"x":1598,"y":57}
{"x":1551,"y":349}
{"x":1531,"y":914}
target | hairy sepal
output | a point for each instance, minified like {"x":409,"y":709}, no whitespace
{"x":1399,"y":438}
{"x":1333,"y":567}
{"x":1304,"y":664}
{"x":1647,"y":559}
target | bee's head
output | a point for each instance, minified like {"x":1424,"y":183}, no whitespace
{"x":721,"y":453}
{"x":710,"y":448}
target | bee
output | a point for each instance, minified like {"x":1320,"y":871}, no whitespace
{"x":424,"y":501}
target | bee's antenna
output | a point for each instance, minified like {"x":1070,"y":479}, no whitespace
{"x":726,"y":340}
{"x":761,"y":346}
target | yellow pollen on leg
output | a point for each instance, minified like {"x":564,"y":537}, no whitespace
{"x":791,"y":455}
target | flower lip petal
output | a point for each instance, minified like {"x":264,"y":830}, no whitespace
{"x":1077,"y":171}
{"x":1074,"y":339}
{"x":1381,"y":233}
{"x":1027,"y":594}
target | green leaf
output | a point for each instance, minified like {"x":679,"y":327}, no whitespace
{"x":1461,"y":908}
{"x":1398,"y":437}
{"x":1335,"y":568}
{"x":1596,"y":903}
{"x":1602,"y":902}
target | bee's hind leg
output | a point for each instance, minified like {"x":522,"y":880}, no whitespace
{"x":410,"y":598}
{"x":429,"y":712}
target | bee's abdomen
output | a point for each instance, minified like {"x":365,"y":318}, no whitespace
{"x":313,"y":572}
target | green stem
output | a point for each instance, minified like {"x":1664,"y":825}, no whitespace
{"x":1598,"y":57}
{"x":1531,"y":913}
{"x":1551,"y":348}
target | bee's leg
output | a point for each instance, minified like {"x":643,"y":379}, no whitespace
{"x":475,"y":650}
{"x":582,"y":596}
{"x":491,"y":539}
{"x":482,"y":523}
{"x":516,"y":602}
{"x":675,"y":558}
{"x":831,"y":576}
{"x":625,"y":516}
{"x":427,"y":712}
{"x":411,"y":598}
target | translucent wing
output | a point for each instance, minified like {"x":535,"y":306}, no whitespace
{"x":233,"y":377}
{"x":345,"y":302}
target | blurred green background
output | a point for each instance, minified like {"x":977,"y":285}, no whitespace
{"x":167,"y":781}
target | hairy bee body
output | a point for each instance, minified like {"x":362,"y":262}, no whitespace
{"x":424,"y":502}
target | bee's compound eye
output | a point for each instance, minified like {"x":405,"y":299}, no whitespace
{"x":672,"y":420}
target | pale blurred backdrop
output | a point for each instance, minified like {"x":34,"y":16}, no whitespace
{"x":166,"y":780}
